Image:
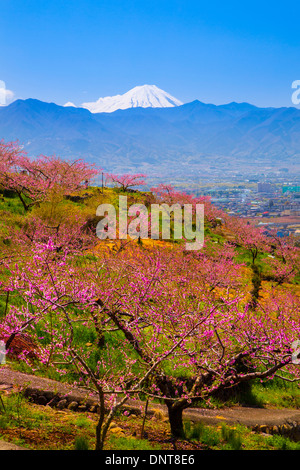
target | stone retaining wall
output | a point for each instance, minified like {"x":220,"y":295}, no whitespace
{"x":57,"y":400}
{"x":71,"y":401}
{"x":289,"y":429}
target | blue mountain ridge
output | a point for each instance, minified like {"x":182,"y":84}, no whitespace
{"x":150,"y":136}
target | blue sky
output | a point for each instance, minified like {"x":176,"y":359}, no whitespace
{"x":216,"y":52}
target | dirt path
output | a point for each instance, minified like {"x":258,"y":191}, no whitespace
{"x":284,"y":421}
{"x":9,"y":446}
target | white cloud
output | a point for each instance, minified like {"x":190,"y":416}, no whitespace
{"x":6,"y":96}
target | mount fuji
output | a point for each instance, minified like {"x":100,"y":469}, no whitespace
{"x":146,"y":96}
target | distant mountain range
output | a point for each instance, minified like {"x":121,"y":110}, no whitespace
{"x":181,"y":138}
{"x":146,"y":96}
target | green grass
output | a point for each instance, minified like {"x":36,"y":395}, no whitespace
{"x":277,"y":393}
{"x":199,"y":432}
{"x":131,"y":443}
{"x":232,"y":438}
{"x":274,"y":393}
{"x":12,"y":205}
{"x":17,"y":412}
{"x":81,"y":443}
{"x":236,"y":437}
{"x":282,"y":443}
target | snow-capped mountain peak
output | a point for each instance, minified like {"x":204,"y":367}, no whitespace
{"x":146,"y":96}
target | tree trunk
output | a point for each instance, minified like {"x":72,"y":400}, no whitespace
{"x":26,"y":207}
{"x":175,"y":419}
{"x":100,"y":435}
{"x":99,"y":440}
